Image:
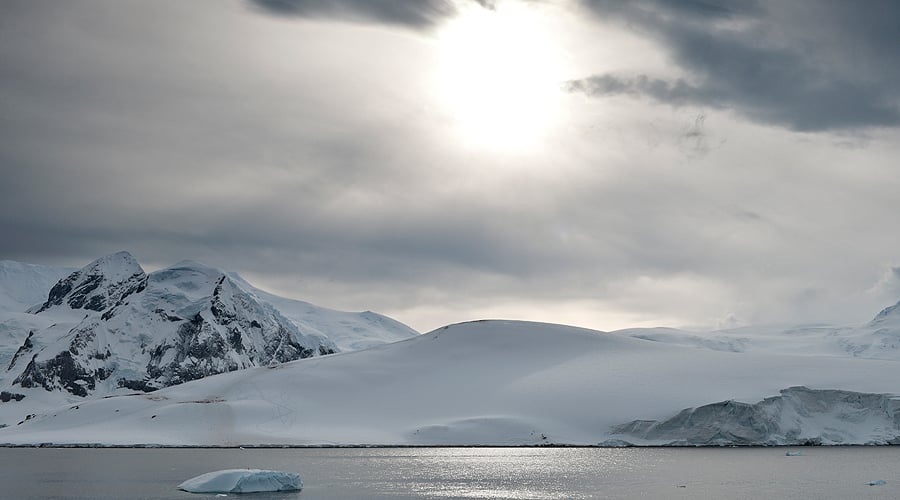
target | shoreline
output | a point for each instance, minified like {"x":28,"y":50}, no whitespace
{"x":419,"y":446}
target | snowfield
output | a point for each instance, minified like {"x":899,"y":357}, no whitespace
{"x":501,"y":383}
{"x":350,"y":331}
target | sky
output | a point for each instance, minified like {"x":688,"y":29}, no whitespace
{"x":607,"y":164}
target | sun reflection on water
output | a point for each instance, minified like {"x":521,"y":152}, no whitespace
{"x":511,"y":473}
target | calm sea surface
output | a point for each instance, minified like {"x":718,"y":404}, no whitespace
{"x":435,"y":473}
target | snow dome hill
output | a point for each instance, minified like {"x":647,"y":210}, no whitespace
{"x":490,"y":383}
{"x":110,"y":328}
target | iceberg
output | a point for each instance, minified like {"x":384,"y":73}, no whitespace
{"x":243,"y":481}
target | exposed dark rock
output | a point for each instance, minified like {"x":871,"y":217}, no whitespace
{"x":92,"y":288}
{"x":137,"y":385}
{"x":59,"y":291}
{"x":6,"y":397}
{"x":60,"y":372}
{"x":23,"y":350}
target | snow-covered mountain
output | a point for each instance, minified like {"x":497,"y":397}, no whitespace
{"x":502,"y":383}
{"x":110,"y":327}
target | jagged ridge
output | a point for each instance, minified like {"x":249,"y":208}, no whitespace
{"x":101,"y":284}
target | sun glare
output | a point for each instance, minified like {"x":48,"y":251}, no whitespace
{"x":500,"y":76}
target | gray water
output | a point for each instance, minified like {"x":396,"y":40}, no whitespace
{"x":456,"y":473}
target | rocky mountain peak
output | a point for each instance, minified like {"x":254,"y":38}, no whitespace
{"x":99,"y":285}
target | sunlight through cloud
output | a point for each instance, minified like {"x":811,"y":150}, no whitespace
{"x":500,"y":77}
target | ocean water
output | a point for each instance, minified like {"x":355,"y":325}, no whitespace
{"x":465,"y":473}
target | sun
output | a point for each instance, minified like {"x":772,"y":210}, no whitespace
{"x":500,"y":76}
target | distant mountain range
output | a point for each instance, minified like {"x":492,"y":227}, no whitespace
{"x":877,"y":339}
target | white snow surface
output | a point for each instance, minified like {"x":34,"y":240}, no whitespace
{"x":24,"y":285}
{"x":878,"y":339}
{"x":350,"y":331}
{"x":486,"y":383}
{"x":243,"y":481}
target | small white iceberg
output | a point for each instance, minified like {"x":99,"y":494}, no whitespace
{"x":243,"y":481}
{"x":794,"y":454}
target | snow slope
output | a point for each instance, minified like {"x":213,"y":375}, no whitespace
{"x":350,"y":331}
{"x":21,"y":287}
{"x":489,"y":382}
{"x":24,"y":285}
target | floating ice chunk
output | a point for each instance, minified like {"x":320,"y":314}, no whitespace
{"x":793,"y":454}
{"x":243,"y":481}
{"x":879,"y":482}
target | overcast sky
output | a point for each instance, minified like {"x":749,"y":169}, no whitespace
{"x":599,"y":163}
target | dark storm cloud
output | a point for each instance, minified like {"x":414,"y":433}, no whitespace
{"x":413,"y":13}
{"x":676,"y":93}
{"x":808,"y":66}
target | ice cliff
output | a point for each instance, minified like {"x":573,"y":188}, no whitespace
{"x":798,"y":416}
